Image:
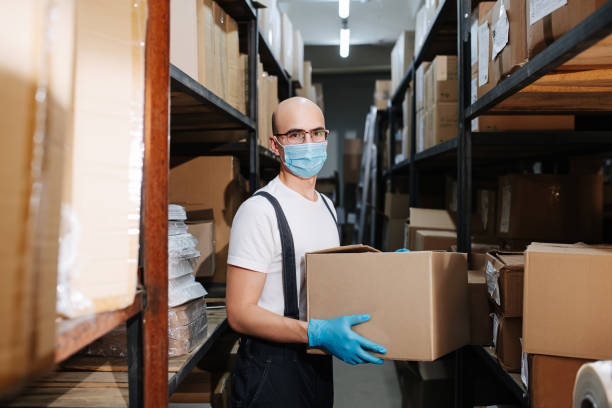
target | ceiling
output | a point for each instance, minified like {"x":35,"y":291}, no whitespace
{"x":370,"y":21}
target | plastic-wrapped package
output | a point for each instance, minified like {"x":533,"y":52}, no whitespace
{"x":177,"y":227}
{"x":99,"y":242}
{"x":183,"y":314}
{"x":183,"y":289}
{"x":176,"y":213}
{"x":183,"y":339}
{"x":180,"y":267}
{"x":182,"y":246}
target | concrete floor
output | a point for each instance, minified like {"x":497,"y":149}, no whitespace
{"x":366,"y":385}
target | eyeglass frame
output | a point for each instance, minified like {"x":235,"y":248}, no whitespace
{"x":304,"y":132}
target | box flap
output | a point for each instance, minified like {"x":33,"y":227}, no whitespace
{"x":346,"y":249}
{"x":508,"y":259}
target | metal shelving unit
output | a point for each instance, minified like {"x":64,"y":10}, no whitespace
{"x":178,"y":105}
{"x":487,"y":150}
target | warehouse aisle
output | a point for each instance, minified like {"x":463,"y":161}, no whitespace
{"x":366,"y":386}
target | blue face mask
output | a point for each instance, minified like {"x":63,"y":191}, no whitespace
{"x":305,"y":160}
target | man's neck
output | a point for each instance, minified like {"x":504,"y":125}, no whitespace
{"x":306,"y":187}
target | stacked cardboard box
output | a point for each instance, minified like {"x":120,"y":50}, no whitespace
{"x":286,"y":55}
{"x":424,"y":19}
{"x":351,"y":160}
{"x":401,"y":57}
{"x":420,"y":106}
{"x":29,"y":254}
{"x":561,"y":208}
{"x":426,"y":219}
{"x":397,"y":209}
{"x":418,"y":306}
{"x":308,"y":90}
{"x":382,"y":93}
{"x":219,"y":187}
{"x":269,"y":19}
{"x":204,"y":45}
{"x":504,"y":276}
{"x":439,"y":102}
{"x":297,"y":75}
{"x":202,"y":227}
{"x":318,"y":95}
{"x":267,"y":100}
{"x":564,"y":284}
{"x":407,"y":123}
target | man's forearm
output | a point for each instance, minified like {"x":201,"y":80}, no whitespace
{"x":258,"y":322}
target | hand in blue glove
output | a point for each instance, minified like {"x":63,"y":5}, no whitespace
{"x":337,"y":337}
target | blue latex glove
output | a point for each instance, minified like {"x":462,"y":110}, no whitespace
{"x":337,"y":337}
{"x":402,"y":250}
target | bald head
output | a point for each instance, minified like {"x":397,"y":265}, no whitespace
{"x":296,"y":113}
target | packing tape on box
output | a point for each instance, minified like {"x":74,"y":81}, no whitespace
{"x":593,"y":386}
{"x":492,"y":276}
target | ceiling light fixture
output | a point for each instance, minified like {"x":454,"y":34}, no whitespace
{"x":345,"y":36}
{"x":343,"y":8}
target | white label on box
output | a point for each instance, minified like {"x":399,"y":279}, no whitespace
{"x":505,"y":211}
{"x":419,"y":86}
{"x":492,"y":276}
{"x":475,"y":125}
{"x":524,"y":366}
{"x":474,"y":90}
{"x":484,"y":208}
{"x":500,"y":32}
{"x":474,"y":42}
{"x":538,"y":9}
{"x":495,"y":328}
{"x":483,"y":54}
{"x":420,"y":141}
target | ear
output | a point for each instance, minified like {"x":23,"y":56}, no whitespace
{"x":274,"y":146}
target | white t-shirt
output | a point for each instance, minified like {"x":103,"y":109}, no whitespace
{"x":255,"y":239}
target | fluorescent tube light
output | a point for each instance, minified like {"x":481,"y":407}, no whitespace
{"x":345,"y":35}
{"x":343,"y":8}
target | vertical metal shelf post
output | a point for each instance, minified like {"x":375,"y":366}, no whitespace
{"x":464,"y":143}
{"x":155,"y":202}
{"x":414,"y":180}
{"x":392,"y":128}
{"x":253,"y":47}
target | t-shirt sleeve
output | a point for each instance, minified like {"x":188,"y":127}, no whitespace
{"x":252,"y":239}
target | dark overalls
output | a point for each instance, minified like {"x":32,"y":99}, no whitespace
{"x":270,"y":374}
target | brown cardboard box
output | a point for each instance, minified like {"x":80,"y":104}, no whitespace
{"x":417,"y":316}
{"x":234,"y":86}
{"x":443,"y":123}
{"x":397,"y":205}
{"x":551,"y":380}
{"x":428,"y":240}
{"x":29,"y":254}
{"x":513,"y":123}
{"x":550,"y":207}
{"x":566,"y":287}
{"x":219,"y":38}
{"x":196,"y":388}
{"x":297,"y":73}
{"x":382,"y":93}
{"x":184,"y":339}
{"x":184,"y":36}
{"x":218,"y":186}
{"x":205,"y":55}
{"x":420,"y":130}
{"x":428,"y":219}
{"x":419,"y":86}
{"x":204,"y":231}
{"x":103,"y":161}
{"x":351,"y":160}
{"x":507,"y":339}
{"x":481,"y":324}
{"x":543,"y":31}
{"x":286,"y":55}
{"x":401,"y":57}
{"x":504,"y":272}
{"x":486,"y":207}
{"x":395,"y":234}
{"x":513,"y":55}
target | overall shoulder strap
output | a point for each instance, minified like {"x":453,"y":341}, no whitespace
{"x":330,"y":212}
{"x":288,"y":252}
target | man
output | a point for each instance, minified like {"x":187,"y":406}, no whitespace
{"x":266,"y":292}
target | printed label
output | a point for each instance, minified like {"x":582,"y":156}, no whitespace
{"x":475,"y":125}
{"x":484,"y":208}
{"x":538,"y":9}
{"x":492,"y":276}
{"x":495,"y":328}
{"x":474,"y":42}
{"x":474,"y":90}
{"x":483,"y":54}
{"x":500,"y":32}
{"x":506,"y":208}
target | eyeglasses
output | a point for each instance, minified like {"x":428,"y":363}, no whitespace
{"x":299,"y":136}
